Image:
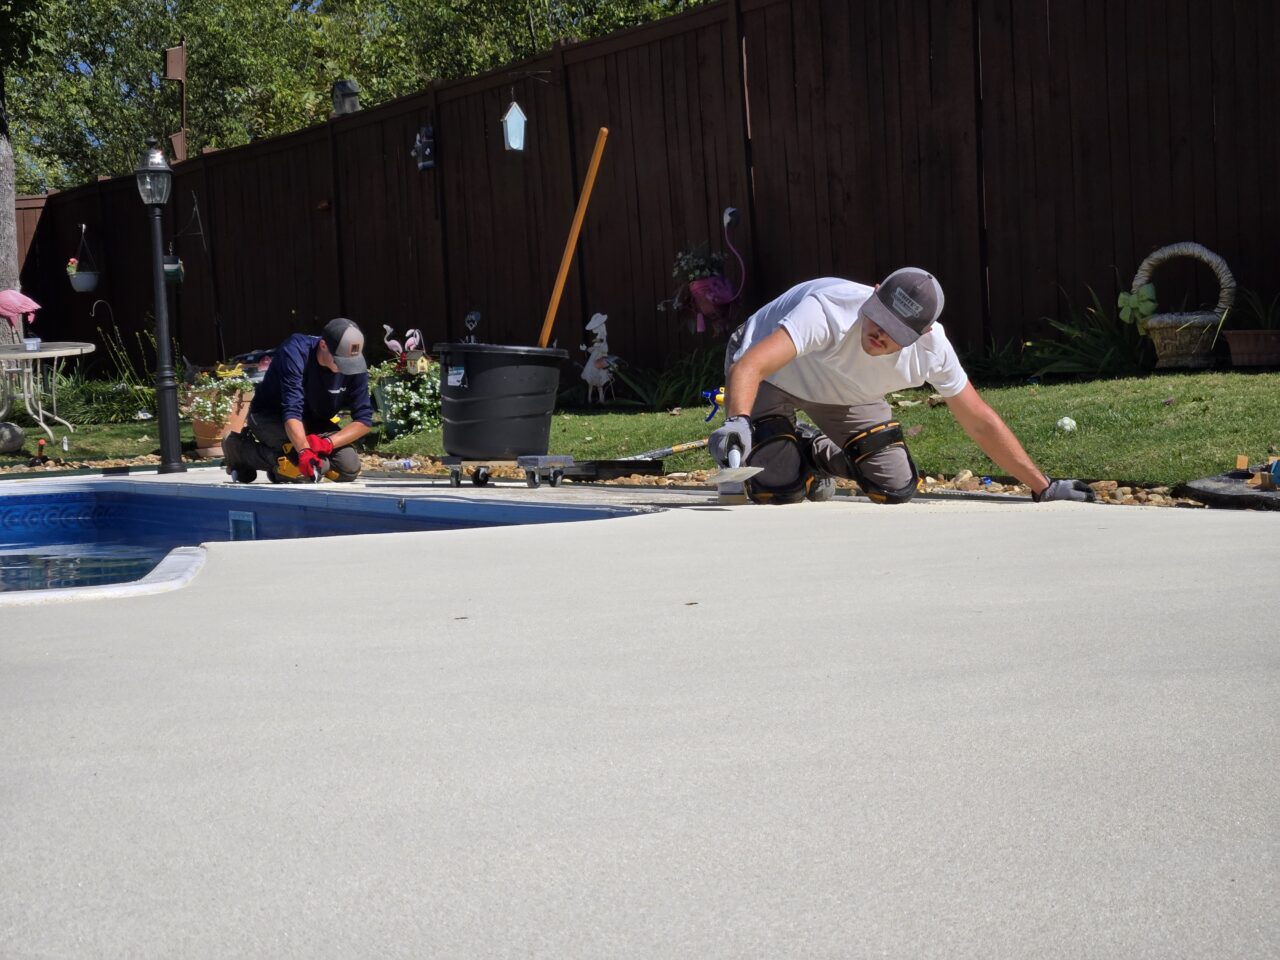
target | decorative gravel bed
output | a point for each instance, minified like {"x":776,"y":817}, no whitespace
{"x":1109,"y":491}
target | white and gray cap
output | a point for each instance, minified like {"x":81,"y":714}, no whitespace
{"x":346,"y":343}
{"x":905,"y":304}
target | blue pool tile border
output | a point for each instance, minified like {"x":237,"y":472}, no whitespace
{"x":182,"y":564}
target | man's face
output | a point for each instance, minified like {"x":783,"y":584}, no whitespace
{"x":875,"y":341}
{"x":325,"y":358}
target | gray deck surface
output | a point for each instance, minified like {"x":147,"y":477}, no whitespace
{"x":828,"y":730}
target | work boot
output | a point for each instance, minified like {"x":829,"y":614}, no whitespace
{"x":823,"y":487}
{"x":233,"y":459}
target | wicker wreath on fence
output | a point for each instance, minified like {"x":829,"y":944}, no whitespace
{"x":1186,"y":339}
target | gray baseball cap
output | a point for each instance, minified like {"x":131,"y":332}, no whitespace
{"x":905,"y":304}
{"x":346,"y":343}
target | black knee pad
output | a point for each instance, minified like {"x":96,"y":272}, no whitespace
{"x":787,"y":474}
{"x":873,"y":440}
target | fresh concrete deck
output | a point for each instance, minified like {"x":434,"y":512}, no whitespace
{"x":829,"y":730}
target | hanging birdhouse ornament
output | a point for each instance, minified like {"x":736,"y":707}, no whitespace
{"x":513,"y":123}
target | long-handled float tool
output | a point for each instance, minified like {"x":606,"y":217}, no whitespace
{"x":667,"y":451}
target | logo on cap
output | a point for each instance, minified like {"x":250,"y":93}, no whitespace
{"x":904,"y":305}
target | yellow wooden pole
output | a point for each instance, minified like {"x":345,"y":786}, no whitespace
{"x":573,"y":237}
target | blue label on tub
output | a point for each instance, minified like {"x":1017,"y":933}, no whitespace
{"x":456,"y":376}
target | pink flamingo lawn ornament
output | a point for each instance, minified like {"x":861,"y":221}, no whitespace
{"x":14,"y":306}
{"x":412,"y":340}
{"x":392,"y":345}
{"x":713,"y":295}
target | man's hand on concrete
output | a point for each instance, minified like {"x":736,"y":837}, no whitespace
{"x":1076,"y":490}
{"x":736,"y":432}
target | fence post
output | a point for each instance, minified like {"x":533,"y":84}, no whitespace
{"x":442,"y":208}
{"x":335,"y":217}
{"x":984,"y":288}
{"x":562,"y":78}
{"x":737,"y":35}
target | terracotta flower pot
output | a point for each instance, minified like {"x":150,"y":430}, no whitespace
{"x":209,"y":433}
{"x":1254,"y":348}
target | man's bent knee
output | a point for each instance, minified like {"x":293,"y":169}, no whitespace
{"x":880,"y":462}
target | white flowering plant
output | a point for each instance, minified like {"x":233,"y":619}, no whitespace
{"x":409,"y":402}
{"x":212,"y":398}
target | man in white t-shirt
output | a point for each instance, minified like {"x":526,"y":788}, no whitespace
{"x":834,"y":349}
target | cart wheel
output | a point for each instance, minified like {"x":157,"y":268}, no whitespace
{"x":455,"y":478}
{"x":480,"y":477}
{"x":532,"y":479}
{"x":555,"y":478}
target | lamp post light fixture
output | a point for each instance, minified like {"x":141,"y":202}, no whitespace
{"x":513,"y":123}
{"x":155,"y":181}
{"x":346,"y":97}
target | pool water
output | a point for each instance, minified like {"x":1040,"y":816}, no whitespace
{"x":109,"y":532}
{"x":75,"y":565}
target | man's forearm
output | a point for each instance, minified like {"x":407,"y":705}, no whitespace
{"x":998,"y":442}
{"x":349,"y":434}
{"x":740,"y":391}
{"x":297,"y":434}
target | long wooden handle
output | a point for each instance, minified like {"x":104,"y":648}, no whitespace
{"x":573,"y":237}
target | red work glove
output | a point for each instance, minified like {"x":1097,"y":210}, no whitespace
{"x":308,"y":463}
{"x":321,"y":445}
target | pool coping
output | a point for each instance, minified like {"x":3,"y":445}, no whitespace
{"x":181,"y":565}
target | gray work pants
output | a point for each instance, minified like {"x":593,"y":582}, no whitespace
{"x":263,"y":445}
{"x":887,"y":469}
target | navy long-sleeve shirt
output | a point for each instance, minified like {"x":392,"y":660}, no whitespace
{"x":295,"y":387}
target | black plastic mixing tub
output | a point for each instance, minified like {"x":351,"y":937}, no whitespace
{"x":496,"y":401}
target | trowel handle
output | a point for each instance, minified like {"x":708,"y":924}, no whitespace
{"x":735,"y":456}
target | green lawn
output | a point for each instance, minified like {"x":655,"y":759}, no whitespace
{"x":1160,"y":429}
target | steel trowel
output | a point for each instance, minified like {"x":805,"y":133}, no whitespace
{"x":734,"y":472}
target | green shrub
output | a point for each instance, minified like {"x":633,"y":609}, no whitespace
{"x":1095,"y":343}
{"x":100,"y":401}
{"x":680,"y":384}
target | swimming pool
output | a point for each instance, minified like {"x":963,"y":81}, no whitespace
{"x":100,"y":532}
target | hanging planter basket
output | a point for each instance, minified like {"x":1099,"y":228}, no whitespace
{"x":1185,"y":340}
{"x":84,"y":281}
{"x":82,"y":269}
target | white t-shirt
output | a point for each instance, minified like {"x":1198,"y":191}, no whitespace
{"x":821,"y":317}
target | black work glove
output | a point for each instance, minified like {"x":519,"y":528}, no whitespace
{"x":1076,"y":490}
{"x":736,"y":432}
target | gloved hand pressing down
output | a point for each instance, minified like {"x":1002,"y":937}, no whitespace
{"x":321,"y":445}
{"x":309,"y":463}
{"x":736,"y":432}
{"x":1076,"y":490}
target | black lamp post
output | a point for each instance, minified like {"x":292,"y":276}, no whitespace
{"x":155,"y":180}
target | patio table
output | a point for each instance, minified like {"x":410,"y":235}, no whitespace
{"x":21,"y":374}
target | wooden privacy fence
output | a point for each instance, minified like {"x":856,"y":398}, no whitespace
{"x":1018,"y":150}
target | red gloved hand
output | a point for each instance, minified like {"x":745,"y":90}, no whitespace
{"x":308,"y":463}
{"x":321,"y":445}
